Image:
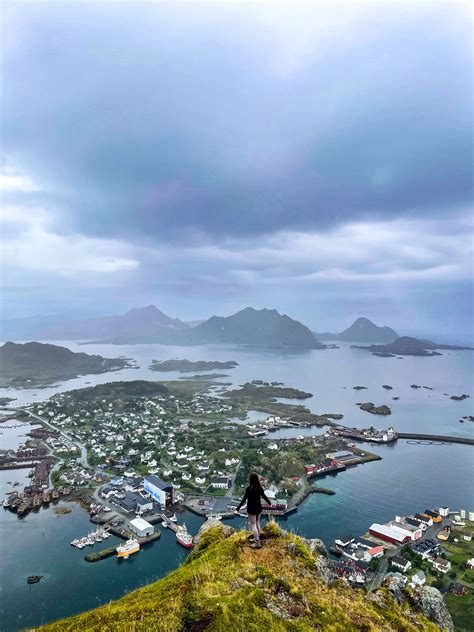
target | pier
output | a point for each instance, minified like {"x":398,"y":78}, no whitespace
{"x":435,"y":438}
{"x":111,"y":550}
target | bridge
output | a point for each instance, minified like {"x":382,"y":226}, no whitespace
{"x":429,"y":437}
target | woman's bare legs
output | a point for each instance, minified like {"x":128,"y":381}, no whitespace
{"x":254,"y":526}
{"x":258,"y":524}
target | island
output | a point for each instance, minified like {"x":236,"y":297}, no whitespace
{"x":375,"y":410}
{"x":185,"y":366}
{"x":35,"y":365}
{"x":408,"y":346}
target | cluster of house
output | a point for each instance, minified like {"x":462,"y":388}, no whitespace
{"x":357,"y":553}
{"x":76,"y":475}
{"x":405,"y":529}
{"x":122,"y":439}
{"x":61,"y":445}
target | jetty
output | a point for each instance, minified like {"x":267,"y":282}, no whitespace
{"x":166,"y":522}
{"x":111,"y":550}
{"x":434,"y":438}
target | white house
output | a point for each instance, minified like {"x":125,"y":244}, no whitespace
{"x":273,"y":446}
{"x":230,"y":462}
{"x":200,"y":480}
{"x":222,"y":482}
{"x":418,"y":578}
{"x":442,"y":565}
{"x":401,"y":563}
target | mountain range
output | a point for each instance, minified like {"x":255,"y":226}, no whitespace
{"x":249,"y":326}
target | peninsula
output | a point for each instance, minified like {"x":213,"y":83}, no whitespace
{"x":33,"y":364}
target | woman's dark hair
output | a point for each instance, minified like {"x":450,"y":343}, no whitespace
{"x":254,"y":482}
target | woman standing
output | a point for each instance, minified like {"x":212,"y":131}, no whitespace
{"x":252,"y":495}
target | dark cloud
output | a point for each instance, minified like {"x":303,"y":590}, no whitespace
{"x":153,"y":120}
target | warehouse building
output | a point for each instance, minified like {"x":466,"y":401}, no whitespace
{"x":389,"y":534}
{"x":159,"y":490}
{"x":141,"y":527}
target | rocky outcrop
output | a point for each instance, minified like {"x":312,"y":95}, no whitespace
{"x":227,"y":530}
{"x":225,"y":584}
{"x":431,"y":603}
{"x":375,"y":410}
{"x":315,"y":545}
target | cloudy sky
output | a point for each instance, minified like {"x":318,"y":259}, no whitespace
{"x":315,"y":158}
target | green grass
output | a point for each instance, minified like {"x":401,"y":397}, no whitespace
{"x":461,"y":609}
{"x":226,"y":585}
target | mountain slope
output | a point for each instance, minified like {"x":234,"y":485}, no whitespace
{"x":148,"y":321}
{"x":225,"y":585}
{"x":362,"y":330}
{"x":34,"y":363}
{"x":250,"y":326}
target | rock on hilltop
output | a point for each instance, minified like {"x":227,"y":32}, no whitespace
{"x":226,"y":585}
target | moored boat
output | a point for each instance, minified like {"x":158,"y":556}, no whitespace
{"x":125,"y":550}
{"x":183,"y":537}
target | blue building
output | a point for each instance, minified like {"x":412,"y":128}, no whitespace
{"x":160,"y":491}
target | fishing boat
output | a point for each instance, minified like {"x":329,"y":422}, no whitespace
{"x":183,"y":537}
{"x":125,"y":550}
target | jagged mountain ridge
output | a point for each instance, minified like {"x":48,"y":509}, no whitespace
{"x":249,"y":326}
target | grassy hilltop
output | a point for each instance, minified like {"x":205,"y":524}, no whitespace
{"x":225,"y":585}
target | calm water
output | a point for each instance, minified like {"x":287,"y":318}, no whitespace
{"x":408,"y":479}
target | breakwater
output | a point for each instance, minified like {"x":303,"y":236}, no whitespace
{"x":111,"y":550}
{"x":437,"y":438}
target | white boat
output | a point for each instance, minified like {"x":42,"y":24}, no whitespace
{"x":125,"y":550}
{"x":183,"y":537}
{"x":174,"y":518}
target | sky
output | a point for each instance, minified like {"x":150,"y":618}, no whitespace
{"x":313,"y":158}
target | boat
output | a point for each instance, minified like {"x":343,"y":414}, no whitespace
{"x":125,"y":550}
{"x":183,"y":537}
{"x":174,"y":518}
{"x":336,"y":550}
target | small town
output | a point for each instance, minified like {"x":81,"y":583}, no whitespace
{"x":135,"y":460}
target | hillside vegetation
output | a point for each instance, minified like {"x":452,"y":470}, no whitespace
{"x":226,"y":585}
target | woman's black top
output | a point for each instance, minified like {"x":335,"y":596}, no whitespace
{"x":252,"y":496}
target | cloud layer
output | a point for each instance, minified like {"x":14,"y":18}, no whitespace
{"x":234,"y":152}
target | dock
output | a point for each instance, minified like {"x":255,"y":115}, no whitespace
{"x":111,"y":550}
{"x":435,"y":438}
{"x":166,"y":522}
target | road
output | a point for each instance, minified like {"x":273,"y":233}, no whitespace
{"x":379,"y":574}
{"x":81,"y":446}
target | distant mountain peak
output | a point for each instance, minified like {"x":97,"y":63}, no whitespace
{"x":362,"y":330}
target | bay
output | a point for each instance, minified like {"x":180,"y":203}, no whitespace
{"x":409,"y":478}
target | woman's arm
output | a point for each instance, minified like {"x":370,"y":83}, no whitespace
{"x":243,"y":500}
{"x":269,"y":502}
